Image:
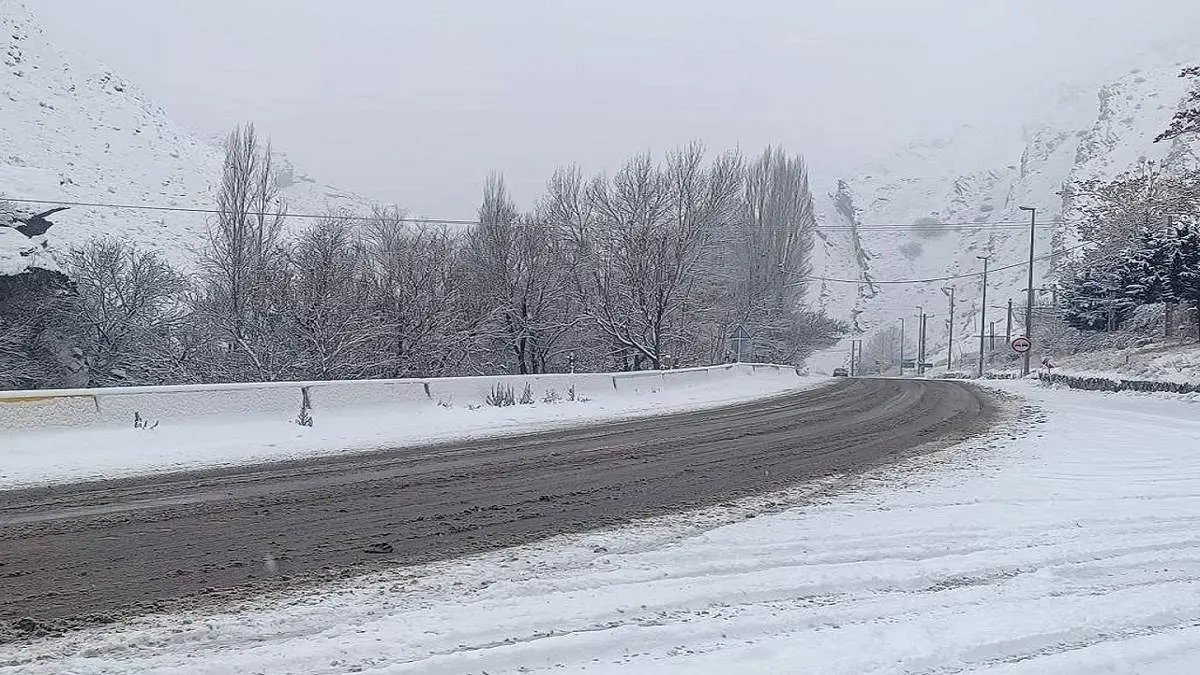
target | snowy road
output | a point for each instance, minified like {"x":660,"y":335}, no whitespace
{"x":1070,"y":548}
{"x":119,"y":548}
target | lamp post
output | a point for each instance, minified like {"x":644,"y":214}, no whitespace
{"x":920,"y":340}
{"x":1029,"y":289}
{"x":950,"y":330}
{"x":983,"y":311}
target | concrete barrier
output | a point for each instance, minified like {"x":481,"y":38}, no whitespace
{"x":345,"y":395}
{"x":38,"y":409}
{"x":283,"y":400}
{"x":274,"y":400}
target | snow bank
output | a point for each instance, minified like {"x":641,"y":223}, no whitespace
{"x":1070,"y":548}
{"x":1166,"y":362}
{"x":213,"y":425}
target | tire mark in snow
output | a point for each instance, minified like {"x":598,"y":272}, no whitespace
{"x":132,"y":546}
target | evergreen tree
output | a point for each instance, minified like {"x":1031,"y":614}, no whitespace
{"x":1096,"y":301}
{"x":1187,"y":120}
{"x":1146,"y":268}
{"x":1184,"y":267}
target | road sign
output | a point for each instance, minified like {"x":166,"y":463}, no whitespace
{"x":1021,"y":344}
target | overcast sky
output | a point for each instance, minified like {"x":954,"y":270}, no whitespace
{"x":414,"y":102}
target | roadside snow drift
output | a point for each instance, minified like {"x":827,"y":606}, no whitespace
{"x":1069,"y":548}
{"x":192,"y":427}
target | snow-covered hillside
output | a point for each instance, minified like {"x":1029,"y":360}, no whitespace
{"x":980,"y":182}
{"x":75,"y":133}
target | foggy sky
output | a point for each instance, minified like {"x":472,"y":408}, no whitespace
{"x":414,"y":102}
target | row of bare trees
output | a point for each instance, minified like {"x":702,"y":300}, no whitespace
{"x":650,"y":267}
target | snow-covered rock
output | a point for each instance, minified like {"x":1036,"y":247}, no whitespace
{"x":981,"y":182}
{"x":71,"y":132}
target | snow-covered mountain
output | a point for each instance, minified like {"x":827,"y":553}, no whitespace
{"x":877,"y":227}
{"x":70,"y":132}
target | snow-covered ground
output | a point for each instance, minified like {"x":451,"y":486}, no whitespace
{"x":1169,"y":362}
{"x":1066,"y":545}
{"x":65,"y":455}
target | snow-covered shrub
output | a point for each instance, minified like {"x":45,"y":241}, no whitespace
{"x":501,"y":396}
{"x":929,"y":228}
{"x":305,"y":418}
{"x":911,"y":250}
{"x":140,"y":422}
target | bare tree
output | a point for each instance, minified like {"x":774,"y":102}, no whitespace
{"x":653,"y":227}
{"x":17,"y":369}
{"x":881,"y":352}
{"x":34,"y":352}
{"x":567,"y":209}
{"x":416,"y":298}
{"x":517,"y":263}
{"x":130,"y":315}
{"x":244,"y":268}
{"x":771,"y":252}
{"x":331,"y":292}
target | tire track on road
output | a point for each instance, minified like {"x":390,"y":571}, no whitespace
{"x":96,"y":551}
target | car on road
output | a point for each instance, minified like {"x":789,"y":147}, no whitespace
{"x":841,"y":372}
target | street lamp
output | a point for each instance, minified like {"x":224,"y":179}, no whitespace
{"x":920,"y":340}
{"x":983,"y":311}
{"x":950,"y":330}
{"x":1029,"y":289}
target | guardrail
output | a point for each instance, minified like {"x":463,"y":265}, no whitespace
{"x":119,"y":406}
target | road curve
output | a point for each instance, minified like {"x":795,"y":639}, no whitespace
{"x":87,"y":552}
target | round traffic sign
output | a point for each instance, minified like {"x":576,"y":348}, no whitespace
{"x":1021,"y":345}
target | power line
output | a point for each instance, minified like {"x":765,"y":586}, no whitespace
{"x":947,"y":278}
{"x":921,"y":227}
{"x":201,"y":210}
{"x":924,"y":228}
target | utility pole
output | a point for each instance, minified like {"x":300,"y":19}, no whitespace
{"x":920,"y":341}
{"x":901,"y":346}
{"x":1008,"y":336}
{"x":983,"y":311}
{"x":924,"y":343}
{"x":950,"y":330}
{"x":1029,"y":298}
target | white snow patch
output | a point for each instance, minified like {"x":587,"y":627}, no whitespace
{"x":1170,"y":362}
{"x":1070,"y":548}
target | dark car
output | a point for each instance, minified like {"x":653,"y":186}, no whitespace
{"x":841,"y":372}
